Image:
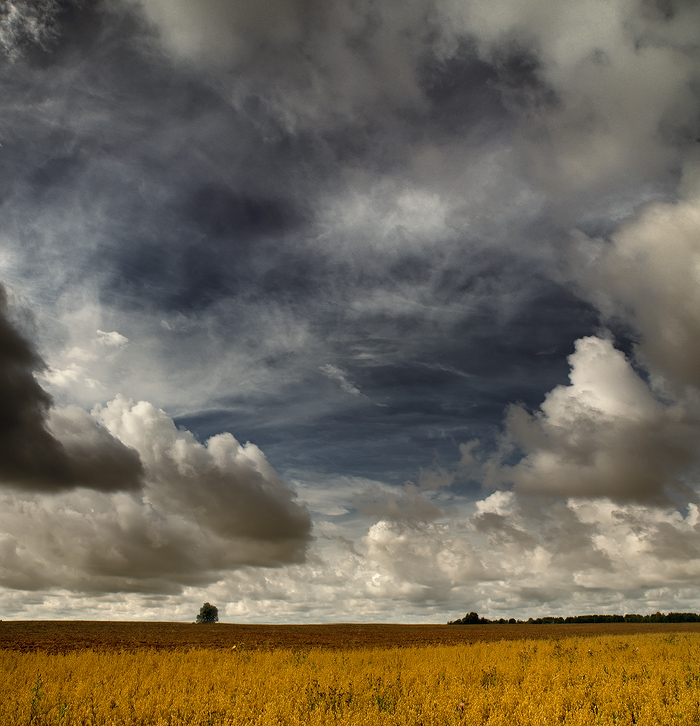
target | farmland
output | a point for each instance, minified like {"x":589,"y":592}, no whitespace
{"x":99,"y":674}
{"x":61,"y":636}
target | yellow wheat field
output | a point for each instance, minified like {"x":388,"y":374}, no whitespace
{"x":644,"y":680}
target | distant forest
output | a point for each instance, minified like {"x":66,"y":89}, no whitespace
{"x":474,"y":619}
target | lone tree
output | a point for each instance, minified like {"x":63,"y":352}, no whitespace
{"x":208,"y":614}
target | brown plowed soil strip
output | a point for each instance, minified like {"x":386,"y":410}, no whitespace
{"x":62,"y":636}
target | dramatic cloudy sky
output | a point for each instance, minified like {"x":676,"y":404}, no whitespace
{"x":349,"y":310}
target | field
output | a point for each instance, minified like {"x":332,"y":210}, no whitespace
{"x":61,"y":636}
{"x":109,"y":674}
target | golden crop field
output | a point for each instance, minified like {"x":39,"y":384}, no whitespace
{"x":646,"y":678}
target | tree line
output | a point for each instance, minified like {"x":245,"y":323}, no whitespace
{"x":474,"y":619}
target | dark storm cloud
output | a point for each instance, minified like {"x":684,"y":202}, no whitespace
{"x":28,"y":449}
{"x":306,"y":60}
{"x":257,"y":231}
{"x":205,"y":509}
{"x":45,"y":451}
{"x":150,"y":159}
{"x":189,"y":203}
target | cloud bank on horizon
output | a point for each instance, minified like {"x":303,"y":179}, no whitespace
{"x":437,"y":259}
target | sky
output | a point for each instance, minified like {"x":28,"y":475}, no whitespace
{"x":349,"y":310}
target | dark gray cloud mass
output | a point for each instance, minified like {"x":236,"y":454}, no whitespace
{"x":41,"y":451}
{"x":196,"y":203}
{"x":376,"y":239}
{"x":203,"y":509}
